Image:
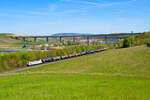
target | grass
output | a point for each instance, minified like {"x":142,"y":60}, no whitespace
{"x":121,"y":74}
{"x":130,"y":61}
{"x":2,"y":49}
{"x":73,"y":87}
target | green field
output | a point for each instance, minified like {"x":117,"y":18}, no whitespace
{"x":122,"y":74}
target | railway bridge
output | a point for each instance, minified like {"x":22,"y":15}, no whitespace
{"x":85,"y":37}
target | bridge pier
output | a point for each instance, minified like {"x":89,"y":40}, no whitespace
{"x":47,"y":39}
{"x":105,"y":38}
{"x":24,"y":39}
{"x":60,"y":39}
{"x":35,"y":38}
{"x":88,"y":42}
{"x":74,"y":39}
{"x":16,"y":38}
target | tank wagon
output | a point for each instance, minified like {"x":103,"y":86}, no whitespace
{"x":58,"y":58}
{"x":31,"y":63}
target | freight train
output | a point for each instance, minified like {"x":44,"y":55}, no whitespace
{"x":58,"y":58}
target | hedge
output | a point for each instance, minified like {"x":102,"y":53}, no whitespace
{"x":20,"y":59}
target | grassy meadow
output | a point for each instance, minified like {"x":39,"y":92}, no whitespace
{"x":122,"y":74}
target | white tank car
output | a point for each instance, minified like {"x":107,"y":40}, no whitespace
{"x":34,"y":62}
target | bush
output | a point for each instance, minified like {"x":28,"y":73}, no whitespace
{"x":148,"y":44}
{"x":20,"y":59}
{"x":126,"y":43}
{"x":142,"y":39}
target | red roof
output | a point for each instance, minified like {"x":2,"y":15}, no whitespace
{"x":57,"y":48}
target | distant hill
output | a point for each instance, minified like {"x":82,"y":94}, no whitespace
{"x":70,"y":34}
{"x":7,"y":42}
{"x":5,"y":35}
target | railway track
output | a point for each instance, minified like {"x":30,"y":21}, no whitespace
{"x":55,"y":61}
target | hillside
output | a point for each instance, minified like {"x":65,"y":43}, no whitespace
{"x":121,"y":74}
{"x":130,"y":61}
{"x":6,"y":42}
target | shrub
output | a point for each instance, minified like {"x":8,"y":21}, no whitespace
{"x":148,"y":44}
{"x":20,"y":59}
{"x":142,"y":39}
{"x":126,"y":43}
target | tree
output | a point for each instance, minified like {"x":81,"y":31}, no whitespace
{"x":126,"y":43}
{"x":148,"y":43}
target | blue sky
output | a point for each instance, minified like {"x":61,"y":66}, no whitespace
{"x":43,"y":17}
